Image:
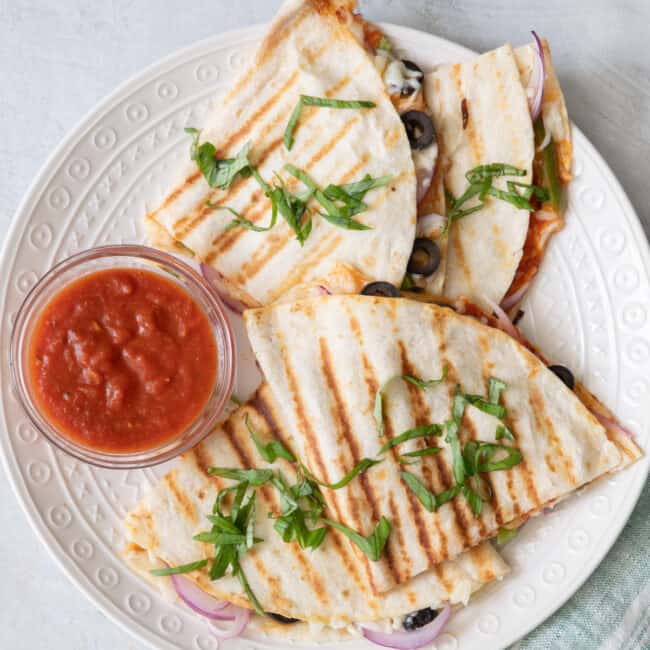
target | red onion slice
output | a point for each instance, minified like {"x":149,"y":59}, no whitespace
{"x":503,"y":322}
{"x":242,"y":617}
{"x":201,"y":602}
{"x":410,"y":640}
{"x":609,"y":423}
{"x":535,"y":89}
{"x":215,"y":279}
{"x":510,"y":301}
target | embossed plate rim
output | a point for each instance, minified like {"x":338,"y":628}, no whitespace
{"x":93,"y":118}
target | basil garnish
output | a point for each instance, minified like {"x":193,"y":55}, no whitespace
{"x":418,"y":453}
{"x":183,"y":568}
{"x":308,"y":100}
{"x":218,"y":173}
{"x":255,"y":477}
{"x":371,"y":546}
{"x":361,"y":466}
{"x":412,"y":434}
{"x":480,"y":183}
{"x":505,"y":535}
{"x":378,"y":410}
{"x":242,"y":221}
{"x":271,"y":450}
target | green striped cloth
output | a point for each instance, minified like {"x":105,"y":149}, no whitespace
{"x":612,"y":609}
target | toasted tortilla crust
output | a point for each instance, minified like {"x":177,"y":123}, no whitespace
{"x":325,"y":360}
{"x":327,"y":586}
{"x":309,"y":49}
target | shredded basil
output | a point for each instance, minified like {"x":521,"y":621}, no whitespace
{"x":371,"y":546}
{"x":506,"y":535}
{"x":361,"y":466}
{"x":271,"y":450}
{"x":418,"y":453}
{"x":255,"y":477}
{"x":378,"y":410}
{"x":218,"y":173}
{"x":480,"y":184}
{"x":421,"y":383}
{"x":183,"y":568}
{"x":324,"y":102}
{"x":243,"y":222}
{"x":495,"y":388}
{"x":412,"y":434}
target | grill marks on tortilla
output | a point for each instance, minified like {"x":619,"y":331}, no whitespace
{"x":545,"y":426}
{"x":341,"y":418}
{"x":441,"y":479}
{"x":184,"y":502}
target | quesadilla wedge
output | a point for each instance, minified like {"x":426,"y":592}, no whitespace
{"x":326,"y":585}
{"x":304,"y":164}
{"x":338,"y":366}
{"x":489,"y":133}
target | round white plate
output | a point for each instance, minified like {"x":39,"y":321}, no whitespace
{"x":588,"y":310}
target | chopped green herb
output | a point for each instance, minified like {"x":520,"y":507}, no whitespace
{"x":458,"y":464}
{"x":418,"y":453}
{"x":504,"y":432}
{"x":255,"y":477}
{"x":549,"y":166}
{"x":508,"y":457}
{"x":361,"y":466}
{"x":270,"y":451}
{"x":243,"y":222}
{"x":424,"y":495}
{"x":479,"y":402}
{"x":218,"y":173}
{"x":384,"y":44}
{"x":506,"y":535}
{"x":235,"y":400}
{"x":480,"y":180}
{"x":474,"y":499}
{"x":371,"y":546}
{"x":411,"y":434}
{"x":407,"y":282}
{"x":421,"y":383}
{"x":308,"y":100}
{"x":495,"y":388}
{"x":184,"y":568}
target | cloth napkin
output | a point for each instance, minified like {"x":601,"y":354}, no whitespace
{"x":611,"y":611}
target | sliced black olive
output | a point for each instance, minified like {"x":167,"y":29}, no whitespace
{"x":425,"y":257}
{"x":413,"y":67}
{"x":564,"y":374}
{"x":419,"y":619}
{"x":281,"y":619}
{"x":419,"y":129}
{"x":384,"y":289}
{"x":518,"y":316}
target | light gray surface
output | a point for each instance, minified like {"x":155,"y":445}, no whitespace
{"x":59,"y":58}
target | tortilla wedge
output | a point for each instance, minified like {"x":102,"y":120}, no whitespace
{"x":311,"y":48}
{"x":326,"y":358}
{"x":327,"y":585}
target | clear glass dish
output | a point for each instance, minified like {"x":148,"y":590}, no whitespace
{"x":124,"y":256}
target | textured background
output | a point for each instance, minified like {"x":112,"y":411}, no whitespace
{"x":58,"y":58}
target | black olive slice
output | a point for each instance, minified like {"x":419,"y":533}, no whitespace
{"x":413,"y":67}
{"x":564,"y":374}
{"x":425,"y":257}
{"x":419,"y":619}
{"x":383,"y":289}
{"x":281,"y":619}
{"x":419,"y":129}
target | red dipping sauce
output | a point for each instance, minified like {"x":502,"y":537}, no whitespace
{"x":122,"y":360}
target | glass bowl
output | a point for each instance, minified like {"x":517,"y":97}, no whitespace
{"x":136,"y":257}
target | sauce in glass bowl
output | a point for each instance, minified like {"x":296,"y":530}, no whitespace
{"x":122,"y":360}
{"x":123,"y":356}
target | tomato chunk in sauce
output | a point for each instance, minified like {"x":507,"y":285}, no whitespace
{"x":122,"y":360}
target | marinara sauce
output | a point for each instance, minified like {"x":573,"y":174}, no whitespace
{"x":122,"y":360}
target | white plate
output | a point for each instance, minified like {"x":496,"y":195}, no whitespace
{"x":588,"y":310}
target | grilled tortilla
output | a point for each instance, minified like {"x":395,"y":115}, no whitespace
{"x":481,"y":113}
{"x":310,"y":48}
{"x":326,"y":358}
{"x":327,"y":585}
